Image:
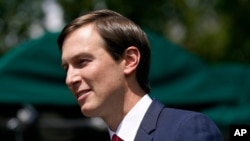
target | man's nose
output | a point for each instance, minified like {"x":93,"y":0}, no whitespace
{"x":73,"y":77}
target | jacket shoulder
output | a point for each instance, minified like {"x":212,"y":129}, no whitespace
{"x":182,"y":124}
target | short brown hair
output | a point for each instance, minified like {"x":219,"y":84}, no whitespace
{"x":118,"y":33}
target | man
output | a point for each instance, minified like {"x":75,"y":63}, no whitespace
{"x":106,"y":58}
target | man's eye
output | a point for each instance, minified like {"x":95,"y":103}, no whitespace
{"x":65,"y":68}
{"x":82,"y":62}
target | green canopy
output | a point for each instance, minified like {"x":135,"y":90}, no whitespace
{"x":180,"y":79}
{"x":32,"y":73}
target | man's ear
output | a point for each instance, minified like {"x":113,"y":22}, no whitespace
{"x":132,"y":58}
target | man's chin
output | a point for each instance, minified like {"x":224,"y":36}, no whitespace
{"x":88,"y":112}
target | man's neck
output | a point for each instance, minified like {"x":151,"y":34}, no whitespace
{"x":129,"y":102}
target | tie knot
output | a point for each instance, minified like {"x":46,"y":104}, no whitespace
{"x":116,"y":138}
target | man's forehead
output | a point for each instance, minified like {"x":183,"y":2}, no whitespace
{"x":83,"y":31}
{"x":84,"y":39}
{"x":83,"y":35}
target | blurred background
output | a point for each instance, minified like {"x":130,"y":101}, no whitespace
{"x":200,"y":49}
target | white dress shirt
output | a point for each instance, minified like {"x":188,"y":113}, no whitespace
{"x":127,"y":129}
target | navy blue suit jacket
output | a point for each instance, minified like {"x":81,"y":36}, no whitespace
{"x":168,"y":124}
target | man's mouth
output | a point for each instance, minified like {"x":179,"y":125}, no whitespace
{"x":82,"y":92}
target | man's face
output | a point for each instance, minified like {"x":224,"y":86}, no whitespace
{"x":93,"y":76}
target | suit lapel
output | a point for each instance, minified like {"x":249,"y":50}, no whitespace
{"x":148,"y":125}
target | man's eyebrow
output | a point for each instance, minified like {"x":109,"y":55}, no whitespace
{"x":79,"y":55}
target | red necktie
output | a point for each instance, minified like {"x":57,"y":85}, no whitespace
{"x":116,"y":138}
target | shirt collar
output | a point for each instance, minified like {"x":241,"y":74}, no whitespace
{"x":127,"y":129}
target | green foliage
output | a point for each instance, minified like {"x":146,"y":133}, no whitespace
{"x":73,"y":9}
{"x":237,"y":12}
{"x":17,"y":16}
{"x":215,"y":30}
